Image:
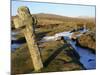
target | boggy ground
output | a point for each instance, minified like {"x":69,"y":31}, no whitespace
{"x":55,"y":56}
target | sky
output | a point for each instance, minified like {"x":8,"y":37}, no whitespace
{"x":53,"y":8}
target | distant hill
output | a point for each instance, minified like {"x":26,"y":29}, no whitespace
{"x":47,"y":19}
{"x":53,"y":17}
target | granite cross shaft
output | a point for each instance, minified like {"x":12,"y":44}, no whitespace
{"x":25,"y":22}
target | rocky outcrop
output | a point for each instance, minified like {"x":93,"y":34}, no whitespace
{"x":74,"y":35}
{"x":87,"y":40}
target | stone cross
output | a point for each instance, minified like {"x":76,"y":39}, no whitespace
{"x":25,"y":22}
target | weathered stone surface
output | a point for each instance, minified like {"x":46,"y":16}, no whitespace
{"x":25,"y":22}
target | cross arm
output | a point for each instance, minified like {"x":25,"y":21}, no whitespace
{"x":18,"y":23}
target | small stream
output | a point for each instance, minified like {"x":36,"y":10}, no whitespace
{"x":87,"y":58}
{"x":14,"y":45}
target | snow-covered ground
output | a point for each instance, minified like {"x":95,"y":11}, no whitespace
{"x":66,"y":35}
{"x":14,"y":33}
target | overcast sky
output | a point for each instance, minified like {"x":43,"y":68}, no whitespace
{"x":51,"y":8}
